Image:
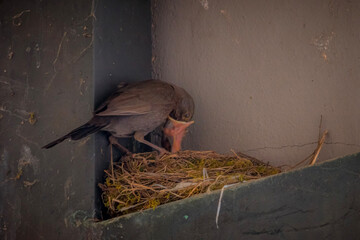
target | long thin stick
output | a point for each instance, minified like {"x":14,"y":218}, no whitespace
{"x":317,"y":151}
{"x":313,"y":156}
{"x":112,"y":162}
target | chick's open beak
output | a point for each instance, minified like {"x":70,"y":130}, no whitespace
{"x":176,"y":131}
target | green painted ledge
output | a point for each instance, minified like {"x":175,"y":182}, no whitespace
{"x":317,"y":202}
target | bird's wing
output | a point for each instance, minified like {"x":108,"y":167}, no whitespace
{"x":118,"y":91}
{"x":136,"y":99}
{"x":123,"y":104}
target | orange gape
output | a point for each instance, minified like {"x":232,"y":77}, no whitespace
{"x":176,"y":130}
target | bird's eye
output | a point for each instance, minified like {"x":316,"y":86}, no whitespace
{"x":186,"y":115}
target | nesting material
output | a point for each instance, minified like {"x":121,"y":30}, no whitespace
{"x":145,"y":180}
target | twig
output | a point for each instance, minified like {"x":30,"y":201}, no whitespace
{"x":192,"y":191}
{"x":313,"y":156}
{"x":302,"y":161}
{"x":317,"y":151}
{"x":118,"y":201}
{"x":112,"y":161}
{"x":132,"y":206}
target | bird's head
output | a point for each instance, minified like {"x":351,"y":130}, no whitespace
{"x":184,"y":109}
{"x":179,"y":119}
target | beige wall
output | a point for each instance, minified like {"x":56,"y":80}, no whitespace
{"x":263,"y":72}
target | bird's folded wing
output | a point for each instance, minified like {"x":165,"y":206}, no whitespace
{"x":124,"y":104}
{"x":138,"y":99}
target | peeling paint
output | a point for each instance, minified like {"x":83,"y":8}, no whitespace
{"x":225,"y":14}
{"x":84,"y":141}
{"x":205,"y":4}
{"x":322,"y":43}
{"x":10,"y":53}
{"x":67,"y":186}
{"x":82,"y":86}
{"x":32,"y":119}
{"x":37,"y":55}
{"x":79,"y":218}
{"x":4,"y":165}
{"x":30,"y":184}
{"x":27,"y":159}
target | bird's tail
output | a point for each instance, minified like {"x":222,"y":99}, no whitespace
{"x":78,"y":133}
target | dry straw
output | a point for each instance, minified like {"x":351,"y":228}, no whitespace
{"x":145,"y":180}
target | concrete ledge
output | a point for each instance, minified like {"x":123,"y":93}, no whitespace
{"x":318,"y":202}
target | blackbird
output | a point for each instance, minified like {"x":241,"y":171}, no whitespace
{"x":136,"y":109}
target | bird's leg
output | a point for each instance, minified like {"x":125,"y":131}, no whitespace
{"x":114,"y":141}
{"x":139,"y":136}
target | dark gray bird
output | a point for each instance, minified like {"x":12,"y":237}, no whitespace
{"x":136,"y":109}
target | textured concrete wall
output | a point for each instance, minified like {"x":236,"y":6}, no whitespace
{"x":45,"y":90}
{"x":263,"y":72}
{"x":57,"y":60}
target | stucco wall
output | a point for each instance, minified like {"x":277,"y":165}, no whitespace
{"x":59,"y":60}
{"x":46,"y":84}
{"x":263,"y":72}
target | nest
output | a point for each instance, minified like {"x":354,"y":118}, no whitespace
{"x":145,"y":180}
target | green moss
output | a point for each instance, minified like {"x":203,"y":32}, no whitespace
{"x":241,"y":178}
{"x":153,"y":203}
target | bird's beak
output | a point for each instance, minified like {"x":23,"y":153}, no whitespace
{"x":176,"y":131}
